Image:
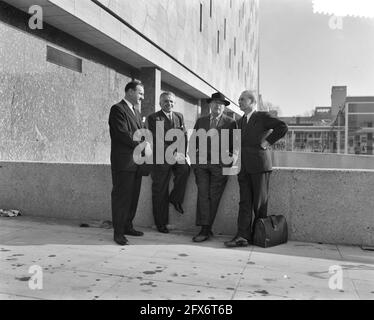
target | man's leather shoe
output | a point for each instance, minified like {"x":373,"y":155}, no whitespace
{"x":122,"y":241}
{"x":134,"y":233}
{"x":237,"y":242}
{"x":177,"y":207}
{"x":200,"y":238}
{"x":162,"y":229}
{"x":204,"y":235}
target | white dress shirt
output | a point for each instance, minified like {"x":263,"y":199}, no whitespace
{"x":168,"y":115}
{"x":130,"y":105}
{"x":249,"y":115}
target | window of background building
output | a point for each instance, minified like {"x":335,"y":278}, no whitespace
{"x":234,"y":46}
{"x":211,"y":8}
{"x":201,"y":17}
{"x":230,"y":58}
{"x":360,"y":128}
{"x":224,"y":30}
{"x":218,"y":41}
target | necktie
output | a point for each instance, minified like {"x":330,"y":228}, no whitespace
{"x":213,"y":124}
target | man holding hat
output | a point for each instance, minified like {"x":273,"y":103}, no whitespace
{"x":209,"y":163}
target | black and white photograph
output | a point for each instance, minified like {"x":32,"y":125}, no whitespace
{"x":187,"y":155}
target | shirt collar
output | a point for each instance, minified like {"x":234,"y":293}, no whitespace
{"x":249,"y":115}
{"x":129,"y":104}
{"x":218,"y":118}
{"x":167,"y":114}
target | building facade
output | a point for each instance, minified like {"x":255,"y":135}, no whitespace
{"x":57,"y":82}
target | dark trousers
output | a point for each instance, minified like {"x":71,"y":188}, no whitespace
{"x":210,"y":186}
{"x":161,"y":175}
{"x":254,"y":191}
{"x":125,"y":196}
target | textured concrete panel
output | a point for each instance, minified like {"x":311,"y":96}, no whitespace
{"x":51,"y":113}
{"x":329,"y":206}
{"x":175,"y":27}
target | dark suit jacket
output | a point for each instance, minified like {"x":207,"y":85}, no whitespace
{"x":204,"y":123}
{"x":123,"y":124}
{"x":177,"y":123}
{"x":254,"y":159}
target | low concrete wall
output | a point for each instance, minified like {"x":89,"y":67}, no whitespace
{"x":321,"y":205}
{"x":322,"y":160}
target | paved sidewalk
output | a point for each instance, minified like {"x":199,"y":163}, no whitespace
{"x":84,"y":263}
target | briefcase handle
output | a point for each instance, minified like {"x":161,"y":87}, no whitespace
{"x":274,"y":222}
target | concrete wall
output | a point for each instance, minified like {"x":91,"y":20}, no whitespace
{"x":321,"y":205}
{"x":48,"y":112}
{"x":52,"y":113}
{"x":321,"y":160}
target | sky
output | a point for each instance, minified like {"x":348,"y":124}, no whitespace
{"x":302,"y":57}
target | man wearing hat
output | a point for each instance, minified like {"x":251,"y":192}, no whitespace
{"x":259,"y":130}
{"x":209,"y":166}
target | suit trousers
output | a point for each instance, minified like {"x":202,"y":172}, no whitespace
{"x":254,"y":191}
{"x":210,"y":186}
{"x":125,"y":196}
{"x":161,"y":175}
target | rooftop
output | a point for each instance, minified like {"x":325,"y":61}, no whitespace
{"x":84,"y":263}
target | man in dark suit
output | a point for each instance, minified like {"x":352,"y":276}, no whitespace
{"x":209,"y":175}
{"x":124,"y":121}
{"x":167,"y":119}
{"x":259,"y":130}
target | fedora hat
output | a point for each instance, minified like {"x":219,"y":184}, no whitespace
{"x":218,"y":97}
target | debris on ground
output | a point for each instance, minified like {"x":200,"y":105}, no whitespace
{"x":9,"y":213}
{"x":97,"y":224}
{"x":367,"y":248}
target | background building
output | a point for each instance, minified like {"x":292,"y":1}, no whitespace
{"x":345,"y":127}
{"x":58,"y":83}
{"x":359,"y":125}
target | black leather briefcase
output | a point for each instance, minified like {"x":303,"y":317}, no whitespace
{"x":270,"y":231}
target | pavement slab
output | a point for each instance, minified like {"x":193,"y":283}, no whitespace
{"x":85,"y":264}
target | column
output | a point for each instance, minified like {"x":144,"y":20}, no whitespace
{"x":205,"y":110}
{"x":292,"y":140}
{"x":370,"y":140}
{"x":346,"y":128}
{"x":151,"y":78}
